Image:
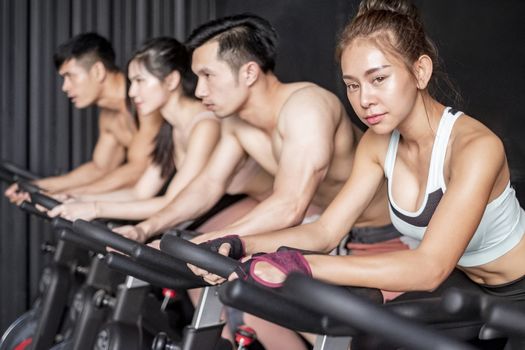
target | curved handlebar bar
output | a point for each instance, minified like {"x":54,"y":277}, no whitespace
{"x":361,"y":314}
{"x":194,"y":254}
{"x":171,"y":265}
{"x":64,"y":229}
{"x":16,"y":173}
{"x":62,"y":224}
{"x":30,"y":208}
{"x":126,"y":265}
{"x":37,"y":196}
{"x":45,"y":201}
{"x":276,"y":307}
{"x":101,"y":235}
{"x":28,"y":187}
{"x":146,"y":260}
{"x":57,"y":222}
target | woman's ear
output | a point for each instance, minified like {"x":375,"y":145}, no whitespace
{"x":423,"y":69}
{"x":249,"y":72}
{"x":173,"y":80}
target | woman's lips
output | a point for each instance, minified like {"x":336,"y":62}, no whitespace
{"x":375,"y":118}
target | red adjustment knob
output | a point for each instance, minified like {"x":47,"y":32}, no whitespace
{"x":25,"y":344}
{"x":169,"y":293}
{"x":244,"y":335}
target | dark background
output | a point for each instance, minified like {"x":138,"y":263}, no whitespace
{"x":482,"y":43}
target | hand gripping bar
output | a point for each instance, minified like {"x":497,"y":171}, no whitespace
{"x":101,"y":235}
{"x":196,"y":255}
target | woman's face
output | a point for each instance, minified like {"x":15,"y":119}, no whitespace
{"x":147,"y":91}
{"x":380,"y":88}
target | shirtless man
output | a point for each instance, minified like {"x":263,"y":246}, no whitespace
{"x":121,"y":154}
{"x":298,"y":132}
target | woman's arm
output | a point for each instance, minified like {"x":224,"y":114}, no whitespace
{"x":478,"y":173}
{"x":148,"y":186}
{"x":203,"y":139}
{"x":111,"y":204}
{"x":336,"y":221}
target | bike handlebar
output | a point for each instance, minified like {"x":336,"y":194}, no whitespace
{"x":365,"y":316}
{"x":196,"y":255}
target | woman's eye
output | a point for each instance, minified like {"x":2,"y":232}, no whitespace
{"x":380,"y":79}
{"x":352,"y":86}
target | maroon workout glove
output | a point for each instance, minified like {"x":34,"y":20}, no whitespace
{"x":237,"y":250}
{"x":285,"y":259}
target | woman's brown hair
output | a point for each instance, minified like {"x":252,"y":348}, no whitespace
{"x":396,"y":28}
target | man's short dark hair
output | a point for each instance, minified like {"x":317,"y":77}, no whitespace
{"x":88,"y":48}
{"x":242,"y":38}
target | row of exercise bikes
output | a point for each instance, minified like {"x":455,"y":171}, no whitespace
{"x":103,"y":291}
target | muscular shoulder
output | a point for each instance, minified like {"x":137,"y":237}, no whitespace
{"x":120,"y":124}
{"x":310,"y":101}
{"x":308,"y":95}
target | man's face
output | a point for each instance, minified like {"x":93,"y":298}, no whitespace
{"x":80,"y":84}
{"x":220,"y":89}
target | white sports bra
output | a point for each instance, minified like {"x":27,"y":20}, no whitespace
{"x":502,"y":225}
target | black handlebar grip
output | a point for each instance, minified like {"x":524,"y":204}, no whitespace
{"x":196,"y":255}
{"x":61,"y":223}
{"x":80,"y":241}
{"x":272,"y":306}
{"x":17,"y":172}
{"x":28,"y":187}
{"x":104,"y":236}
{"x":125,"y":265}
{"x":157,"y":259}
{"x":366,"y":316}
{"x":43,"y":200}
{"x":186,"y":234}
{"x":31,"y":209}
{"x":63,"y":228}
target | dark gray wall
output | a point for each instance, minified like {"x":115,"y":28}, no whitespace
{"x":38,"y":127}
